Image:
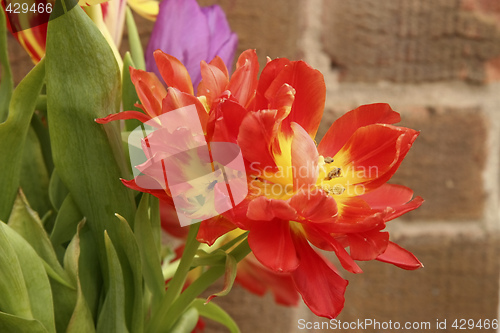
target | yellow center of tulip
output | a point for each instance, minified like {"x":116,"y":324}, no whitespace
{"x":278,"y":183}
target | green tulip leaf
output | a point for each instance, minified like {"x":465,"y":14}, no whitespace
{"x":81,"y":318}
{"x":187,"y":322}
{"x":26,"y":223}
{"x":154,"y":208}
{"x":35,"y":278}
{"x":112,"y":317}
{"x":151,"y":262}
{"x":216,"y":313}
{"x":15,"y":299}
{"x":34,"y":175}
{"x":229,"y":276}
{"x":11,"y":323}
{"x":89,"y":270}
{"x":66,"y":223}
{"x":129,"y":94}
{"x":13,"y":134}
{"x":130,"y":260}
{"x":88,"y":156}
{"x":42,"y":132}
{"x":57,"y":190}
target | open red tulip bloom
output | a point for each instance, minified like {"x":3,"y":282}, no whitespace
{"x":302,"y":197}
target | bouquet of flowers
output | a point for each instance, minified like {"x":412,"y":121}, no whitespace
{"x":101,"y":159}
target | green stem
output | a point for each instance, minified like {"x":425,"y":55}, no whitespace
{"x":177,"y":282}
{"x":169,"y":268}
{"x":197,"y":287}
{"x":135,"y":41}
{"x":230,"y":244}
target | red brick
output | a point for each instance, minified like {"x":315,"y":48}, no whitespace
{"x":445,"y":165}
{"x":411,"y":40}
{"x":459,"y":280}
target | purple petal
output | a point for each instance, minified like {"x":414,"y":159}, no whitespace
{"x":191,"y":34}
{"x":227,"y":50}
{"x":223,"y":41}
{"x":181,"y":30}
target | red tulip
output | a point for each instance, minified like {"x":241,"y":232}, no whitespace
{"x":333,"y":196}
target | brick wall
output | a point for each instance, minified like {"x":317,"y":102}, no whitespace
{"x":437,"y":62}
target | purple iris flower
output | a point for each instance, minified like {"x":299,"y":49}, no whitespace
{"x":191,"y":34}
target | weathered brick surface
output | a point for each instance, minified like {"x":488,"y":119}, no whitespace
{"x":445,"y":165}
{"x":411,"y":40}
{"x":459,"y":280}
{"x":270,"y":27}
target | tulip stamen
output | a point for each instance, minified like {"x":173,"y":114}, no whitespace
{"x":334,"y":173}
{"x":336,"y":189}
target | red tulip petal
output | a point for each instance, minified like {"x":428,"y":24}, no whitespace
{"x":373,"y":154}
{"x":238,"y":215}
{"x":176,"y":99}
{"x":149,"y":89}
{"x":403,"y":147}
{"x":315,"y":206}
{"x":173,"y":72}
{"x":344,"y":127}
{"x":345,"y":259}
{"x":397,"y":197}
{"x":211,"y":229}
{"x":258,"y":127}
{"x":304,"y":159}
{"x":213,"y":83}
{"x":367,"y":245}
{"x":225,"y":120}
{"x":264,"y":209}
{"x":283,"y":101}
{"x":408,"y":207}
{"x":244,"y":82}
{"x":309,"y":103}
{"x":219,"y":63}
{"x":272,"y":244}
{"x":160,"y":194}
{"x":258,"y":279}
{"x":355,"y":215}
{"x":388,"y":195}
{"x":124,"y":115}
{"x":399,"y":257}
{"x":269,"y":73}
{"x":318,"y":282}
